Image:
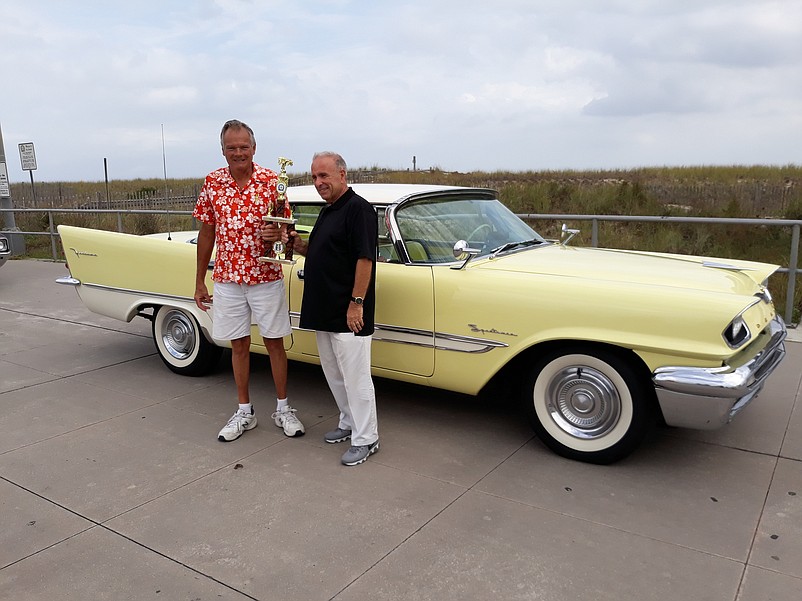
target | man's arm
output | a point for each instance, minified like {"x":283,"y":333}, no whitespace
{"x":204,"y":254}
{"x":364,"y":268}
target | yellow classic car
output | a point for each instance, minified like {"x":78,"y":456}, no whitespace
{"x":600,"y":344}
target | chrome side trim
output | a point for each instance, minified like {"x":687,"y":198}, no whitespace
{"x":411,"y":336}
{"x":725,"y":266}
{"x":465,"y":344}
{"x":440,"y":341}
{"x":173,"y":297}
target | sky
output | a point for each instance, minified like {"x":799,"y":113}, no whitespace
{"x":458,"y":85}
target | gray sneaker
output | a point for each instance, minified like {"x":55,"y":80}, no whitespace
{"x":357,"y":455}
{"x":337,"y":435}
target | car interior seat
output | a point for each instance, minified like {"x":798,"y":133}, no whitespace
{"x":416,"y":251}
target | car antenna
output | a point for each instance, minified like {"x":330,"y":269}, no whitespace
{"x":166,"y":204}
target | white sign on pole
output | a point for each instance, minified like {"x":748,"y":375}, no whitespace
{"x":4,"y":188}
{"x":27,"y":155}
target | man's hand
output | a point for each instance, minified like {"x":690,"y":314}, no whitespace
{"x":354,"y":317}
{"x":293,"y":240}
{"x":202,"y":297}
{"x":271,"y":232}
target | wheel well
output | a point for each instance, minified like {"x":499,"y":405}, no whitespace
{"x":154,"y":308}
{"x":513,"y":371}
{"x":140,"y":311}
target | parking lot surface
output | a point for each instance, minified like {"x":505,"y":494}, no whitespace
{"x":113,"y":486}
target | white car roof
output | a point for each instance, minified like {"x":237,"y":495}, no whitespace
{"x":381,"y":194}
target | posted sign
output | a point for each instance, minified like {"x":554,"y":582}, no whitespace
{"x":4,"y":188}
{"x":27,"y":155}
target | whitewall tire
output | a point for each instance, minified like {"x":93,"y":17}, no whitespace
{"x":181,"y":344}
{"x":589,"y":404}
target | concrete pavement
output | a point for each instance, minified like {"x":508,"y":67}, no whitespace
{"x":113,"y":486}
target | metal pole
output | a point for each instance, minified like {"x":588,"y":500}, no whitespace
{"x":106,"y":175}
{"x":33,"y":189}
{"x":17,"y":241}
{"x":52,"y":227}
{"x":792,"y":269}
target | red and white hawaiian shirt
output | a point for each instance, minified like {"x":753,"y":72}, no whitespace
{"x":236,"y":215}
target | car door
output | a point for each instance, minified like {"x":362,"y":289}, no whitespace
{"x":404,"y":336}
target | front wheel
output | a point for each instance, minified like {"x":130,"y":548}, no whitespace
{"x":591,"y":404}
{"x":181,"y":344}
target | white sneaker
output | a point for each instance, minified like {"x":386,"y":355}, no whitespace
{"x":238,"y":423}
{"x":286,"y":419}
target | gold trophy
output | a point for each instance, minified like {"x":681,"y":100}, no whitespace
{"x":282,"y":215}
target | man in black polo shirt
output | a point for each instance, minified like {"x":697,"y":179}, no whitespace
{"x":339,"y":300}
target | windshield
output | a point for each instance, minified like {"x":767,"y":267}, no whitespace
{"x":430,"y":227}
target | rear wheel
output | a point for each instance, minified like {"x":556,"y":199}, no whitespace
{"x":589,"y":404}
{"x":181,"y":344}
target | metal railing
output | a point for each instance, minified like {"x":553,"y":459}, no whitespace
{"x":53,"y":233}
{"x":792,"y":269}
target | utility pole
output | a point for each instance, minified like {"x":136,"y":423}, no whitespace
{"x":17,"y":240}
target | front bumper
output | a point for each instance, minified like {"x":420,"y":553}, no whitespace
{"x":707,"y":398}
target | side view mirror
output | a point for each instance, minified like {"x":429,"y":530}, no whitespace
{"x":567,"y":234}
{"x":463,"y":252}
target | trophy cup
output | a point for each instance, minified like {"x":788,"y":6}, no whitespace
{"x":280,"y":214}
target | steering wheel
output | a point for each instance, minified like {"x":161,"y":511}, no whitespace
{"x":485,"y":226}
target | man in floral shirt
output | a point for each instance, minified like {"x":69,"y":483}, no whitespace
{"x":230,"y":207}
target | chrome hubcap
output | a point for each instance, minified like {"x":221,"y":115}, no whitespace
{"x":178,"y":335}
{"x":583,"y":402}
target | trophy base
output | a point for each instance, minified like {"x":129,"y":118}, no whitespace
{"x":269,"y":219}
{"x":276,"y":260}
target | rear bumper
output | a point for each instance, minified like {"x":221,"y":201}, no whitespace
{"x":708,"y":398}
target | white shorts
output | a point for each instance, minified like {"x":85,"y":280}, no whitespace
{"x":237,"y":306}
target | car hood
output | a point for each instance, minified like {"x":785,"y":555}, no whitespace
{"x":634,"y":267}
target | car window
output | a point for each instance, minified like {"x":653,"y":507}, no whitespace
{"x":430,"y":227}
{"x":386,"y":249}
{"x":306,"y":214}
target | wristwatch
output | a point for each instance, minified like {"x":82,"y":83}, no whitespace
{"x":357,"y":300}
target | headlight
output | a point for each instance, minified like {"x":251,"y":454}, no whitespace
{"x":3,"y":245}
{"x":737,"y":333}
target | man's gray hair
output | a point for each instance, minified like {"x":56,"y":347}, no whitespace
{"x":236,"y":124}
{"x":327,"y":154}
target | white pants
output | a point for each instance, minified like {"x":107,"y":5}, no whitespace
{"x":345,"y":359}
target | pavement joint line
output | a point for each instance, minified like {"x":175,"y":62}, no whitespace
{"x":437,"y":514}
{"x":96,"y":524}
{"x":76,"y":323}
{"x":68,"y":376}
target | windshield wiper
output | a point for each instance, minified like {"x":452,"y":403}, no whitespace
{"x":510,"y":245}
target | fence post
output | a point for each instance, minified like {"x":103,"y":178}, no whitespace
{"x":52,"y":235}
{"x":119,"y":221}
{"x":792,"y":269}
{"x":594,"y":233}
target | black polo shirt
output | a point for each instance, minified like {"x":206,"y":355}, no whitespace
{"x":345,"y":231}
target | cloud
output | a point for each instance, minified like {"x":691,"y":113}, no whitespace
{"x":513,"y":84}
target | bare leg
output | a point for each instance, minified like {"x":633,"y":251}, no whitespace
{"x":241,"y":365}
{"x":278,"y":364}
